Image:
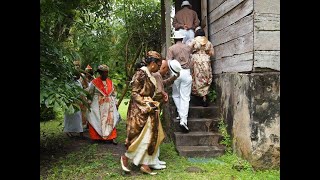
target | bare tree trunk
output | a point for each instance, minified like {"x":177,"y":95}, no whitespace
{"x":129,"y":69}
{"x":123,"y":93}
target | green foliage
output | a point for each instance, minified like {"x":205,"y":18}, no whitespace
{"x":123,"y":108}
{"x":226,"y":137}
{"x":212,"y":95}
{"x":46,"y":114}
{"x":51,"y":136}
{"x":57,"y":88}
{"x":135,"y":30}
{"x":236,"y":163}
{"x":116,"y":33}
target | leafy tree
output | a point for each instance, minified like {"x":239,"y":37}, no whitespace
{"x":116,"y":32}
{"x":57,"y":51}
{"x":137,"y":25}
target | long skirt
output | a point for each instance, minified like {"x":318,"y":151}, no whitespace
{"x":102,"y":119}
{"x":138,"y":150}
{"x":201,"y":75}
{"x":95,"y":136}
{"x":73,"y":122}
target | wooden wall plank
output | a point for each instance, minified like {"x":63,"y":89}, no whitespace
{"x":242,"y":10}
{"x":244,"y":40}
{"x":167,"y":5}
{"x":267,"y":59}
{"x":267,"y":6}
{"x":213,"y":4}
{"x":240,"y":28}
{"x":240,"y":45}
{"x":236,"y":63}
{"x":223,"y":9}
{"x":204,"y":15}
{"x":267,"y":40}
{"x":267,"y":22}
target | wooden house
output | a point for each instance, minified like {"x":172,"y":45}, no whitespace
{"x":246,"y":71}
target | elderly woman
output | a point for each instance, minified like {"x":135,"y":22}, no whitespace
{"x":103,"y":115}
{"x":144,"y":130}
{"x":202,"y":71}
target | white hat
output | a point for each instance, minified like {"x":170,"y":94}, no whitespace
{"x":185,"y":3}
{"x":178,"y":35}
{"x":174,"y":66}
{"x":197,"y":28}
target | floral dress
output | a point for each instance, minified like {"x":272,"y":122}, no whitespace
{"x":144,"y":129}
{"x":202,"y":71}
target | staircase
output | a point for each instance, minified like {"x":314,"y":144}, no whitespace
{"x":203,"y":138}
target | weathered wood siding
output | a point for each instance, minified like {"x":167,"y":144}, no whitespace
{"x":231,"y":33}
{"x":214,"y":4}
{"x":242,"y":62}
{"x":267,"y":34}
{"x":204,"y":15}
{"x":239,"y":28}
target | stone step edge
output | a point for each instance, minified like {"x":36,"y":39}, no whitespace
{"x":201,"y":148}
{"x":196,"y":133}
{"x":200,"y":107}
{"x":199,"y":119}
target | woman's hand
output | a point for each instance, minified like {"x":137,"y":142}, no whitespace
{"x":178,"y":74}
{"x":165,"y":97}
{"x":152,"y":107}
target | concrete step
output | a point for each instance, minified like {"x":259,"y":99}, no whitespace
{"x":197,"y":138}
{"x":201,"y":151}
{"x":199,"y":124}
{"x":199,"y":111}
{"x":203,"y":112}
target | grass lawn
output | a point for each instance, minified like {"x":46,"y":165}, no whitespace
{"x":99,"y":161}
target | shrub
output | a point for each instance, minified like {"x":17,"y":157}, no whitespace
{"x":46,"y":114}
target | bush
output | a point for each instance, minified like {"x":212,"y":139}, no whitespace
{"x":212,"y":94}
{"x":46,"y":114}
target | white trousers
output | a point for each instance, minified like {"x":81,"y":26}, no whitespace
{"x":189,"y":35}
{"x":181,"y":90}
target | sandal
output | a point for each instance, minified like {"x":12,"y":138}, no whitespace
{"x":69,"y":134}
{"x":123,"y":166}
{"x":147,"y":171}
{"x":114,"y":142}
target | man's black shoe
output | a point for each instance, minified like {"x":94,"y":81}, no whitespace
{"x":184,"y":128}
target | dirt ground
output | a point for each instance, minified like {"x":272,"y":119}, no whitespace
{"x":75,"y":144}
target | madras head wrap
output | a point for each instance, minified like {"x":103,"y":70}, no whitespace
{"x":88,"y":67}
{"x":103,"y":67}
{"x":154,"y":54}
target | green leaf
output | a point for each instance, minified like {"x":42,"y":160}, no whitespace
{"x":56,"y":106}
{"x":70,"y":109}
{"x":67,"y":86}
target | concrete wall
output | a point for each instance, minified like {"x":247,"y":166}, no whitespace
{"x":250,"y":106}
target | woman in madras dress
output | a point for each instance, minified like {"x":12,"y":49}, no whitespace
{"x":103,"y":115}
{"x":202,"y":71}
{"x":144,"y":130}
